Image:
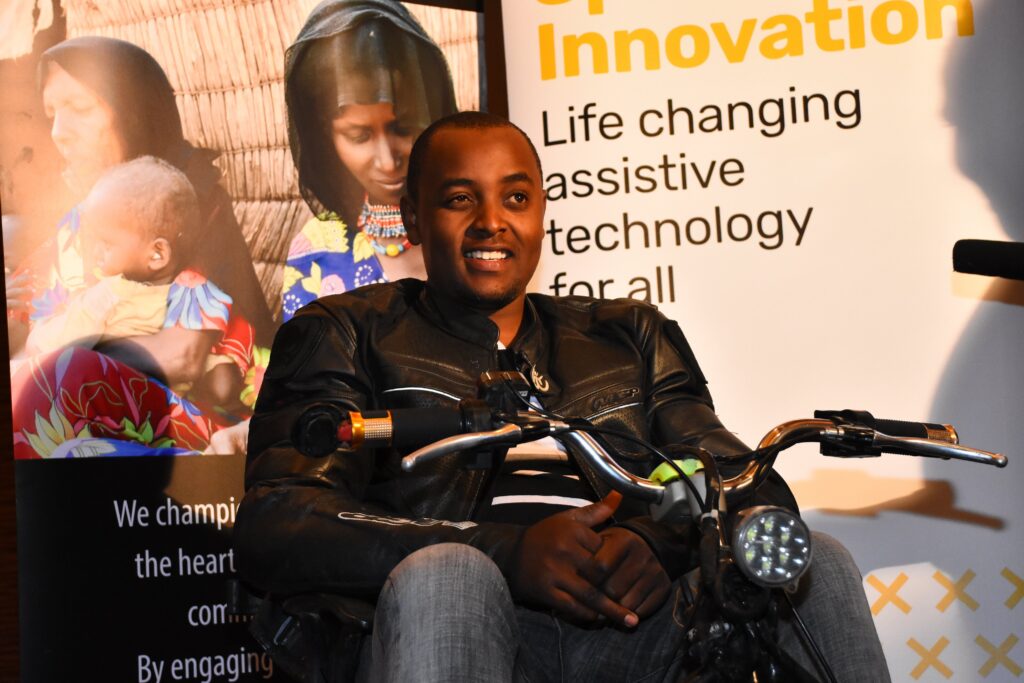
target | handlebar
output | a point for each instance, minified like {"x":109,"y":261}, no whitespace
{"x":839,"y":436}
{"x":511,"y":434}
{"x":505,"y":435}
{"x":473,"y":425}
{"x":852,"y":440}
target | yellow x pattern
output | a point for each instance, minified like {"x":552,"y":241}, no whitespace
{"x":930,"y":658}
{"x":999,"y":655}
{"x":1018,"y":584}
{"x":955,"y":591}
{"x":887,"y":594}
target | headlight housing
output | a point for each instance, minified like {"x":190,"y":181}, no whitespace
{"x":771,"y":545}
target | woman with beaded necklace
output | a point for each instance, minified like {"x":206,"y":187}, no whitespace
{"x":362,"y":80}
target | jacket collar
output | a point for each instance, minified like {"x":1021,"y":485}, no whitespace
{"x":456,"y":319}
{"x":474,"y":327}
{"x":532,"y":344}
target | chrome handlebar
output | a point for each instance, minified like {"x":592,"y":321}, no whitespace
{"x":790,"y":433}
{"x":511,"y":434}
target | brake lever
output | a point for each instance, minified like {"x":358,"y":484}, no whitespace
{"x":937,"y":449}
{"x":505,"y":435}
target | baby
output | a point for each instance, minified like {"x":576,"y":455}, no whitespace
{"x":138,"y":225}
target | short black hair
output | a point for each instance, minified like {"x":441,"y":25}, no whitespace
{"x":464,"y":120}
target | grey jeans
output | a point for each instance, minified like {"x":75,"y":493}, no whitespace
{"x":445,"y":614}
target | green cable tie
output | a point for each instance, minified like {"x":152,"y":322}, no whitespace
{"x":666,"y":474}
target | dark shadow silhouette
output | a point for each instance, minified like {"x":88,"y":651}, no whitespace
{"x":984,"y":103}
{"x":931,"y":498}
{"x":982,"y":388}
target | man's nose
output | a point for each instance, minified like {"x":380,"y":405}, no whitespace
{"x":490,"y":217}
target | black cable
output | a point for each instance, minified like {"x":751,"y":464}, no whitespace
{"x":594,"y":429}
{"x":591,"y":428}
{"x":767,"y":457}
{"x":822,"y":664}
{"x":712,"y":478}
{"x":539,"y":409}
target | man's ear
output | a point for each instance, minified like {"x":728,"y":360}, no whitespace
{"x":409,"y":219}
{"x":160,"y":254}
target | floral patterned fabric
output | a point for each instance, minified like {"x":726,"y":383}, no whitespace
{"x":78,"y":402}
{"x":58,"y":269}
{"x":195,"y":303}
{"x":326,"y":257}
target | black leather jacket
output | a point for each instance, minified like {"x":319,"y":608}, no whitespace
{"x":342,"y":522}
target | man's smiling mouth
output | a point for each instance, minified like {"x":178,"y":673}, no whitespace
{"x":487,"y":255}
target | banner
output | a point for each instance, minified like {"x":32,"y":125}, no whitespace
{"x":787,"y":181}
{"x":178,"y":178}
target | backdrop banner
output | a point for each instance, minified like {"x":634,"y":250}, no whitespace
{"x":787,"y":180}
{"x":268,"y":146}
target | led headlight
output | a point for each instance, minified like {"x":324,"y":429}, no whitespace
{"x":771,"y":545}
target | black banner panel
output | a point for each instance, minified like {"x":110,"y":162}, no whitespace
{"x":121,"y":579}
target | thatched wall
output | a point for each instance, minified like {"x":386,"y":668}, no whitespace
{"x":225,"y":61}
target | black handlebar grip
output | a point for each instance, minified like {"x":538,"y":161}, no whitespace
{"x":896,"y":428}
{"x":920,"y":430}
{"x":415,"y":427}
{"x":315,"y":432}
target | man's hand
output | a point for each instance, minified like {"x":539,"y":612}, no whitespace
{"x":627,"y":571}
{"x":562,"y":563}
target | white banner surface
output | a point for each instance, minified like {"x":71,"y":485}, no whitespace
{"x":787,"y":180}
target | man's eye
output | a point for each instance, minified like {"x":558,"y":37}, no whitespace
{"x":457,"y":199}
{"x":519,"y":198}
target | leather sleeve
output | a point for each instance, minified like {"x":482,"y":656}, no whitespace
{"x":678,"y":401}
{"x":306,"y":523}
{"x":681,"y":411}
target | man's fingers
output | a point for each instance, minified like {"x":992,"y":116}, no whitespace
{"x":567,"y":606}
{"x":627,"y":572}
{"x":596,"y":513}
{"x":647,"y":594}
{"x":591,"y":597}
{"x":622,"y":561}
{"x":654,"y":600}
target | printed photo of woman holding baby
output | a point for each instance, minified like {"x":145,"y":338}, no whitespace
{"x":360,"y":80}
{"x":161,"y":388}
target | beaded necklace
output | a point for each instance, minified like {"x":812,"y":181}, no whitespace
{"x":383,"y":221}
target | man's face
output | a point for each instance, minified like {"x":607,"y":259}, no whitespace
{"x":479,"y":215}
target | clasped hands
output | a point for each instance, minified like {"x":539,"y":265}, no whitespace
{"x":585,"y":575}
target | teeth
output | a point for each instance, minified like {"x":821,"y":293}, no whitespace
{"x":487,"y":255}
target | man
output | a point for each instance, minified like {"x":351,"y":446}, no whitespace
{"x":464,"y":589}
